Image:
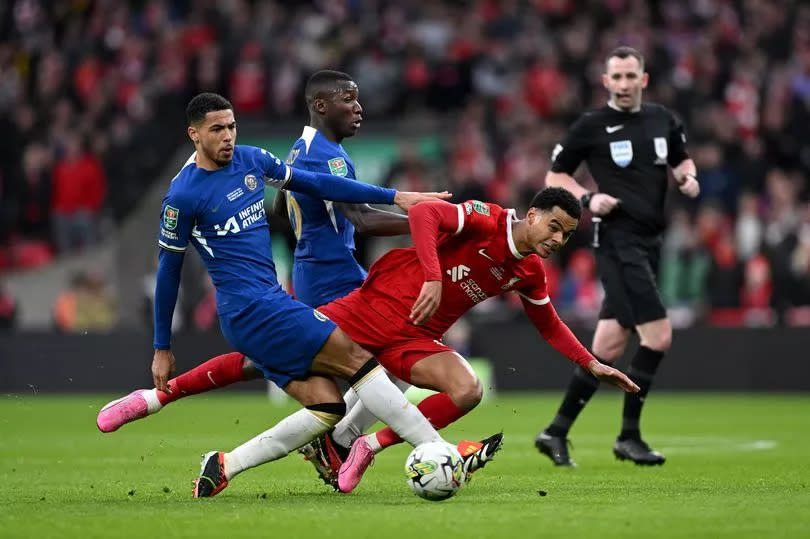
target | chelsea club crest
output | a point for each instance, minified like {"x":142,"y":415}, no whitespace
{"x":251,"y":182}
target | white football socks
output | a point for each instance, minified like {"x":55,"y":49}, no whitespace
{"x":359,"y":419}
{"x":287,"y":435}
{"x":382,"y":398}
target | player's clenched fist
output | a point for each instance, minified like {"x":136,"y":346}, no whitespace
{"x":427,"y":303}
{"x":406,"y":199}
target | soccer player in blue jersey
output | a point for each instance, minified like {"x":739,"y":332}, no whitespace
{"x":216,"y":203}
{"x":324,"y":267}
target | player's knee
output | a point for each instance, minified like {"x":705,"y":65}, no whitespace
{"x":329,"y":413}
{"x":659,"y":341}
{"x":468,"y":393}
{"x":608,"y":352}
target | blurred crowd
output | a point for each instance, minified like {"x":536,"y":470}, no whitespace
{"x":88,"y":87}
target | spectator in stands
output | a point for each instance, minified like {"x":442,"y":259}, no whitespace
{"x":79,"y":185}
{"x":86,"y":306}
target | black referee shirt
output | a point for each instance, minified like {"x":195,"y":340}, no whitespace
{"x":627,"y":154}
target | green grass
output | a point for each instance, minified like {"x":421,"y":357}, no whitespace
{"x":737,"y":467}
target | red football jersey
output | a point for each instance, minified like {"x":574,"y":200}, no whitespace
{"x":477,"y":260}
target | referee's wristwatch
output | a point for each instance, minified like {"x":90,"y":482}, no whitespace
{"x":585,"y":200}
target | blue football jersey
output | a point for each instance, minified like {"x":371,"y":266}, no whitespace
{"x":222,"y":213}
{"x":324,"y":267}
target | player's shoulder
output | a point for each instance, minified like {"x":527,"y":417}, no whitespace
{"x":472,"y":208}
{"x":532,"y":272}
{"x":595,"y":115}
{"x":182,"y":180}
{"x":591,"y":120}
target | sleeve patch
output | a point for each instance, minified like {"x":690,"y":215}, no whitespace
{"x":170,"y":215}
{"x":480,"y":207}
{"x":338,"y":167}
{"x":467,"y":208}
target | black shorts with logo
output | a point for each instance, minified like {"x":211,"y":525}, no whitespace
{"x":628,"y":268}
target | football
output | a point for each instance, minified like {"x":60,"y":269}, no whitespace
{"x":434,"y":471}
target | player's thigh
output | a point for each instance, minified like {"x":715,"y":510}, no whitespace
{"x":340,"y":356}
{"x":609,"y":340}
{"x":656,"y":334}
{"x":315,"y":389}
{"x":447,"y":372}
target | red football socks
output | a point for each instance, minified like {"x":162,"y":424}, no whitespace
{"x":218,"y":371}
{"x":439,"y":409}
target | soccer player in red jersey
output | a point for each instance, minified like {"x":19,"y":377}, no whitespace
{"x":462,"y":255}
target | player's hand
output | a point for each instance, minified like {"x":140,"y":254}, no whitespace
{"x":603,"y":204}
{"x":690,"y":187}
{"x":162,"y":368}
{"x":608,"y":374}
{"x":406,"y":199}
{"x":427,"y":303}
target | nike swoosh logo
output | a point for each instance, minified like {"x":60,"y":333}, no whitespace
{"x":485,"y":255}
{"x":613,"y":128}
{"x":211,"y":378}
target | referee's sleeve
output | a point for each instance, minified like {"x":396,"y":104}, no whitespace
{"x":568,"y":154}
{"x":677,"y":141}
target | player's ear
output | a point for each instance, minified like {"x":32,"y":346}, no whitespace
{"x":193,"y":134}
{"x":320,"y":105}
{"x":645,"y":78}
{"x":605,"y":80}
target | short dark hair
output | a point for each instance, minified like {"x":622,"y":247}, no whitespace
{"x":324,"y":80}
{"x":202,"y":104}
{"x":625,"y":52}
{"x":549,"y":197}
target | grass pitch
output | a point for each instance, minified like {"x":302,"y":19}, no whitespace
{"x":737,"y":467}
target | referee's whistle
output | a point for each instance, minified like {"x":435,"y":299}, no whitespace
{"x":595,"y":222}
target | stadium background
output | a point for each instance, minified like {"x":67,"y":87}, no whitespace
{"x":465,"y":95}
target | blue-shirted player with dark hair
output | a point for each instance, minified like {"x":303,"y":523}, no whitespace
{"x":217,"y":203}
{"x":324,"y":268}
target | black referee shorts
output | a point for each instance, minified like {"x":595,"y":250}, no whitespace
{"x":628,"y":269}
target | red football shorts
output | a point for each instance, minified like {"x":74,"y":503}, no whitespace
{"x":396,"y":344}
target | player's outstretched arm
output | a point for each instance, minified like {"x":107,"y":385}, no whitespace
{"x":335,"y":188}
{"x":407,"y":199}
{"x":542,"y":314}
{"x":608,"y":374}
{"x":373,"y":222}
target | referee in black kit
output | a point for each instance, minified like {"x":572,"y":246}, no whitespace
{"x":628,"y":146}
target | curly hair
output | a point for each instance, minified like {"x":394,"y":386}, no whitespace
{"x":202,"y":104}
{"x":557,"y":196}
